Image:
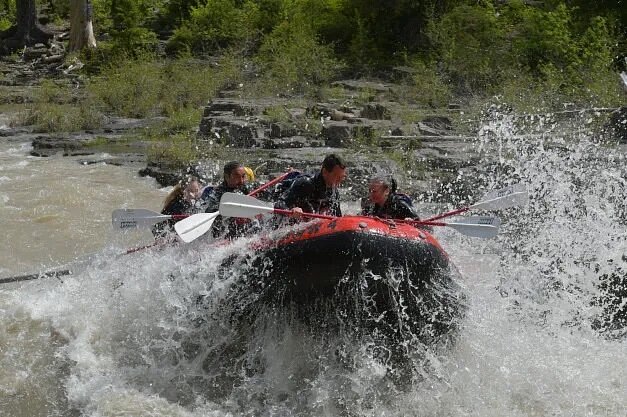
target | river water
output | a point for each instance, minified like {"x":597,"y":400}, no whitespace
{"x":115,"y":338}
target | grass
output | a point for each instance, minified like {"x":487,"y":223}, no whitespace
{"x":48,"y":117}
{"x":174,"y":152}
{"x":277,"y":114}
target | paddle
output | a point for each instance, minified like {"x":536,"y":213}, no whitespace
{"x":197,"y":225}
{"x":512,"y":196}
{"x":475,"y":226}
{"x":237,"y":205}
{"x":135,"y":218}
{"x":29,"y":277}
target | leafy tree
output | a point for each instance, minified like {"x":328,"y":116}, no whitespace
{"x":394,"y":29}
{"x":7,"y":14}
{"x":470,"y":44}
{"x":214,"y":26}
{"x":543,"y":39}
{"x":128,"y":32}
{"x":293,"y":58}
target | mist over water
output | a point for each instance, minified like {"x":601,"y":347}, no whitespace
{"x":151,"y":333}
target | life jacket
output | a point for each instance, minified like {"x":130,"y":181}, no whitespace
{"x":405,"y":198}
{"x":206,"y":192}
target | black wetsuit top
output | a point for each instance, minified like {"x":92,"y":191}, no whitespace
{"x":312,"y":195}
{"x":231,"y":227}
{"x":177,"y":206}
{"x":395,"y":207}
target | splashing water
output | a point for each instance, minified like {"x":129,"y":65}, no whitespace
{"x":149,"y":334}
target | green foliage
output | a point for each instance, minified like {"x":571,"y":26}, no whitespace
{"x":176,"y":12}
{"x":363,"y":50}
{"x":146,"y":87}
{"x":215,"y":26}
{"x":130,"y":88}
{"x":55,"y":118}
{"x":277,"y":114}
{"x":101,"y":10}
{"x":470,"y":42}
{"x":7,"y":14}
{"x":327,"y":18}
{"x":59,"y":9}
{"x":595,"y":46}
{"x":54,"y":109}
{"x":292,"y":59}
{"x":427,"y":88}
{"x":543,"y":40}
{"x":174,"y":151}
{"x":128,"y":32}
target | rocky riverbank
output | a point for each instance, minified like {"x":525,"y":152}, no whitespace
{"x":362,"y":120}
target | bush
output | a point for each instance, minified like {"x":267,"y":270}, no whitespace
{"x":292,"y":59}
{"x":7,"y":14}
{"x":148,"y":87}
{"x":49,"y":117}
{"x":130,"y":88}
{"x":214,"y":26}
{"x":542,"y":40}
{"x":175,"y":151}
{"x":428,"y":87}
{"x":470,"y":43}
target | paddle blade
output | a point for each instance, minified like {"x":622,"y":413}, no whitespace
{"x":487,"y":220}
{"x":486,"y":228}
{"x":238,"y":205}
{"x":512,"y":196}
{"x":135,"y":218}
{"x":194,"y":226}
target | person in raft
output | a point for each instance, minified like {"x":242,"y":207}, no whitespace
{"x":316,"y":194}
{"x":235,"y":181}
{"x":183,"y":199}
{"x":385,"y":202}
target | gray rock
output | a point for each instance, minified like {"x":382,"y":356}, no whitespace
{"x":423,"y":129}
{"x":375,"y":111}
{"x":438,"y":122}
{"x":287,"y":143}
{"x":282,"y":130}
{"x":337,"y":134}
{"x":358,"y":85}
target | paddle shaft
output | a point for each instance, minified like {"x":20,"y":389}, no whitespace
{"x":30,"y":277}
{"x":448,"y":214}
{"x":312,"y":215}
{"x":507,"y":197}
{"x":269,"y":184}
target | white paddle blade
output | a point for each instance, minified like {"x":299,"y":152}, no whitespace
{"x":135,"y":218}
{"x":485,"y":231}
{"x":194,"y":226}
{"x":488,"y":220}
{"x":512,"y":196}
{"x":239,"y":205}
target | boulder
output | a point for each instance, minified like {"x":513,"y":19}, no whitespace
{"x":375,"y":111}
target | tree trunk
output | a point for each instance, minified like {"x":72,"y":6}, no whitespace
{"x":27,"y":31}
{"x":81,"y":28}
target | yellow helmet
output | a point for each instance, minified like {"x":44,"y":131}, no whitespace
{"x":250,"y":174}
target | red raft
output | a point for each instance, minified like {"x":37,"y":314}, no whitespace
{"x":366,"y":268}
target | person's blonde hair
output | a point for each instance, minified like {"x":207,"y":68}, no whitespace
{"x":177,"y":191}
